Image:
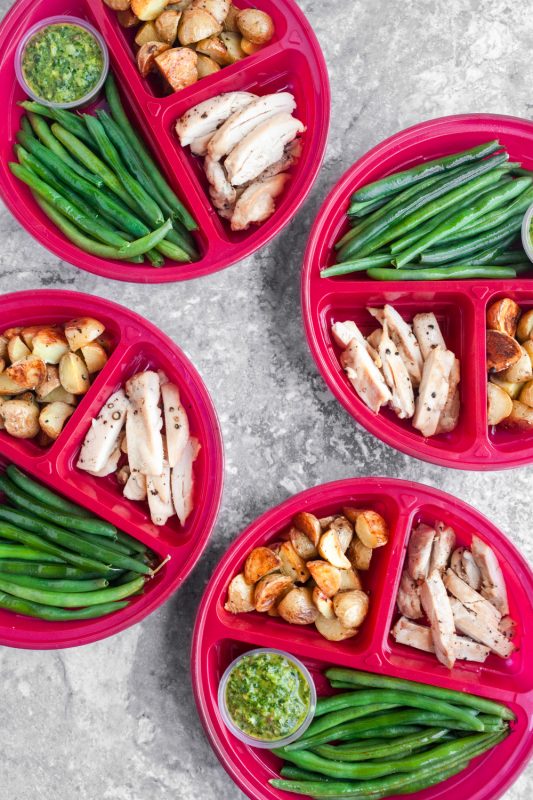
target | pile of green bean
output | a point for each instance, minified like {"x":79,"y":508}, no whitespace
{"x":387,"y":736}
{"x":453,"y":217}
{"x":60,"y":563}
{"x":95,"y":179}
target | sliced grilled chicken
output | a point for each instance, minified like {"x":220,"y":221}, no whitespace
{"x":199,"y":145}
{"x":419,"y":551}
{"x":507,"y":627}
{"x":408,"y":599}
{"x":260,"y":148}
{"x":433,"y":390}
{"x":492,"y":581}
{"x":291,"y":154}
{"x":443,"y":544}
{"x":471,"y":625}
{"x":463,"y":564}
{"x":176,"y":423}
{"x":221,"y":192}
{"x":428,"y":333}
{"x":182,"y":480}
{"x":403,"y":337}
{"x":397,"y":376}
{"x":243,"y":122}
{"x":103,"y":435}
{"x":471,"y":599}
{"x":144,"y":423}
{"x":450,"y":413}
{"x":135,"y":488}
{"x":420,"y":637}
{"x":436,"y":604}
{"x":110,"y":465}
{"x":257,"y":202}
{"x":365,"y":376}
{"x":374,"y":338}
{"x":344,"y":332}
{"x":159,"y":496}
{"x":204,"y":119}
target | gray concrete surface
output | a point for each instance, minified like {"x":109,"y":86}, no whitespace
{"x":116,"y":720}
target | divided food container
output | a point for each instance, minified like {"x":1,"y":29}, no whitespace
{"x":137,"y":345}
{"x":460,"y":305}
{"x":220,"y":636}
{"x":292,"y":61}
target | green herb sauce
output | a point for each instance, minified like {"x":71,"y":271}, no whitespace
{"x":62,"y":63}
{"x":267,"y":696}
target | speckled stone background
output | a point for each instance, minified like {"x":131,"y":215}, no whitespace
{"x":116,"y":720}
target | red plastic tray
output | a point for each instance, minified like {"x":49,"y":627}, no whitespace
{"x":292,"y":61}
{"x":460,"y":306}
{"x":219,"y":636}
{"x":137,"y":345}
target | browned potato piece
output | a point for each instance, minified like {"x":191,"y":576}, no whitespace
{"x":326,"y":577}
{"x":215,"y":48}
{"x":249,"y":47}
{"x":2,"y":365}
{"x":118,"y":5}
{"x":21,"y":417}
{"x":512,"y":389}
{"x":499,"y":404}
{"x":359,"y":554}
{"x":503,"y":316}
{"x":240,"y":596}
{"x":59,"y":395}
{"x":82,"y":331}
{"x":16,"y":349}
{"x":255,"y":25}
{"x":178,"y":66}
{"x":344,"y":530}
{"x":524,"y":330}
{"x":333,"y":630}
{"x":50,"y":344}
{"x":351,"y":608}
{"x":269,"y":590}
{"x":147,"y":54}
{"x":526,"y":395}
{"x":232,"y":42}
{"x":146,"y":33}
{"x":259,"y":563}
{"x":206,"y":66}
{"x":323,"y":603}
{"x":520,"y":418}
{"x":28,"y":373}
{"x":148,"y":9}
{"x":302,"y":544}
{"x":330,"y":549}
{"x":8,"y":386}
{"x":53,"y":417}
{"x":3,"y":347}
{"x":292,"y":564}
{"x":372,"y":529}
{"x":10,"y":332}
{"x":166,"y":26}
{"x":325,"y":522}
{"x":94,"y":356}
{"x":217,"y":8}
{"x":127,"y":18}
{"x":197,"y":24}
{"x":352,"y":513}
{"x":297,"y":607}
{"x":73,"y":374}
{"x":230,"y":23}
{"x":50,"y":382}
{"x":28,"y":333}
{"x":520,"y":371}
{"x":349,"y":580}
{"x":502,"y":351}
{"x":528,"y":347}
{"x":308,"y":524}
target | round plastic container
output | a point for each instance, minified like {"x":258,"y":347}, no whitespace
{"x":219,"y":636}
{"x":526,"y":232}
{"x":61,"y":20}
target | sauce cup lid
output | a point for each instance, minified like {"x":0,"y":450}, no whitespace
{"x":526,"y":232}
{"x":61,"y":20}
{"x":251,"y":740}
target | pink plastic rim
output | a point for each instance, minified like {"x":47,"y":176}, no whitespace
{"x":460,"y":305}
{"x":137,"y":345}
{"x":293,"y":61}
{"x":220,"y":636}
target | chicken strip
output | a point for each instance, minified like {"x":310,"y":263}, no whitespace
{"x":471,"y":625}
{"x":463,"y":564}
{"x":397,"y":376}
{"x":344,"y":332}
{"x":260,"y":148}
{"x":471,"y":599}
{"x":507,"y":627}
{"x":243,"y":122}
{"x":221,"y":192}
{"x":492,"y":581}
{"x":203,"y":119}
{"x":199,"y":146}
{"x":436,"y":604}
{"x":144,"y":423}
{"x":450,"y":413}
{"x":403,"y":337}
{"x":176,"y":423}
{"x":103,"y":435}
{"x":364,"y":376}
{"x":420,"y":637}
{"x":257,"y":202}
{"x":291,"y":154}
{"x":135,"y":487}
{"x":428,"y":333}
{"x":182,"y":480}
{"x":408,"y":599}
{"x":159,"y":496}
{"x":374,"y":338}
{"x":419,"y":551}
{"x":443,"y":544}
{"x":433,"y":391}
{"x":110,"y":465}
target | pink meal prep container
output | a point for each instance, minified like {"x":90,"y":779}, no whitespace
{"x":460,"y":305}
{"x":292,"y":61}
{"x":220,"y":636}
{"x":137,"y":345}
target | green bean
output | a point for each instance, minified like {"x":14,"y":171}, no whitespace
{"x":45,"y":496}
{"x":46,"y":570}
{"x":295,"y":773}
{"x":369,"y":680}
{"x":111,"y":544}
{"x":26,"y":128}
{"x":41,"y":129}
{"x":349,"y":712}
{"x":512,"y":257}
{"x":29,"y":609}
{"x":356,"y":209}
{"x":444,"y":273}
{"x":173,"y":251}
{"x":494,"y":218}
{"x":130,"y":542}
{"x":26,"y":554}
{"x":55,"y":584}
{"x":357,"y":265}
{"x":488,"y":256}
{"x":405,"y":178}
{"x":364,"y":752}
{"x":71,"y":599}
{"x":125,"y":578}
{"x":66,"y":118}
{"x":506,"y":233}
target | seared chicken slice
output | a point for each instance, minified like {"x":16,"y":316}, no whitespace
{"x":135,"y":488}
{"x":159,"y":496}
{"x":364,"y":376}
{"x":443,"y":544}
{"x":374,"y":338}
{"x":221,"y":192}
{"x":450,"y":413}
{"x":463,"y":564}
{"x":436,"y":604}
{"x":176,"y":423}
{"x":257,"y":202}
{"x":403,"y":337}
{"x":344,"y":332}
{"x":243,"y":122}
{"x":408,"y":599}
{"x":204,"y":119}
{"x":428,"y":333}
{"x":199,"y":145}
{"x":492,"y":581}
{"x":433,"y":391}
{"x":471,"y":599}
{"x":144,"y":423}
{"x":419,"y":551}
{"x":110,"y":465}
{"x":263,"y":146}
{"x":182,"y":480}
{"x":420,"y":637}
{"x":471,"y":625}
{"x":291,"y":154}
{"x":397,"y":376}
{"x":102,"y":437}
{"x":507,"y":627}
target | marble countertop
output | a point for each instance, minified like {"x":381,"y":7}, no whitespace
{"x":116,"y":720}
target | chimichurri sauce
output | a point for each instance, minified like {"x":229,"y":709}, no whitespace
{"x":267,"y":696}
{"x":62,"y":63}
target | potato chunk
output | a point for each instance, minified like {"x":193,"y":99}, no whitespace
{"x":502,"y":351}
{"x":17,"y":349}
{"x":178,"y":67}
{"x":73,"y":374}
{"x":520,"y":371}
{"x":206,"y":66}
{"x":28,"y":373}
{"x":146,"y":56}
{"x":21,"y":417}
{"x":269,"y":590}
{"x":259,"y":563}
{"x":50,"y":344}
{"x":326,"y":576}
{"x":94,"y":356}
{"x":372,"y":529}
{"x":503,"y":316}
{"x":82,"y":331}
{"x":297,"y":607}
{"x":524,"y":330}
{"x":520,"y":418}
{"x":333,"y":630}
{"x":255,"y":25}
{"x":351,"y":607}
{"x":197,"y":24}
{"x":53,"y":417}
{"x":148,"y":9}
{"x":526,"y":395}
{"x":308,"y":524}
{"x":240,"y":596}
{"x":166,"y":26}
{"x":500,"y":404}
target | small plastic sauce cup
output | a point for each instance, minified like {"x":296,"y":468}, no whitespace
{"x":527,"y":242}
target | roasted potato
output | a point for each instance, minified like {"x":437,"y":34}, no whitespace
{"x":53,"y":417}
{"x":82,"y":331}
{"x":146,"y":56}
{"x":166,"y":26}
{"x":528,"y":347}
{"x":28,"y":373}
{"x":59,"y":395}
{"x":333,"y":630}
{"x":3,"y":347}
{"x":215,"y":48}
{"x":308,"y":524}
{"x":323,"y":603}
{"x":526,"y":395}
{"x":127,"y":18}
{"x":240,"y":596}
{"x":292,"y":564}
{"x":325,"y":522}
{"x":178,"y":67}
{"x":372,"y":529}
{"x":146,"y":33}
{"x":512,"y":389}
{"x":520,"y":371}
{"x":270,"y":589}
{"x":2,"y":365}
{"x":329,"y":547}
{"x":249,"y":48}
{"x":217,"y":8}
{"x":21,"y":417}
{"x":297,"y":606}
{"x":232,"y":42}
{"x":197,"y":24}
{"x":16,"y":349}
{"x":206,"y":66}
{"x":351,"y":608}
{"x":10,"y":332}
{"x":148,"y":9}
{"x":359,"y":554}
{"x":50,"y":382}
{"x":94,"y":356}
{"x":260,"y":562}
{"x":118,"y":5}
{"x":230,"y":23}
{"x":8,"y":386}
{"x":349,"y":580}
{"x":344,"y":529}
{"x":73,"y":374}
{"x":352,"y":513}
{"x":524,"y":330}
{"x":520,"y":418}
{"x":50,"y":344}
{"x":302,"y":544}
{"x":499,"y":404}
{"x":326,"y":576}
{"x":502,"y":351}
{"x":28,"y":333}
{"x":255,"y":25}
{"x":503,"y":316}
